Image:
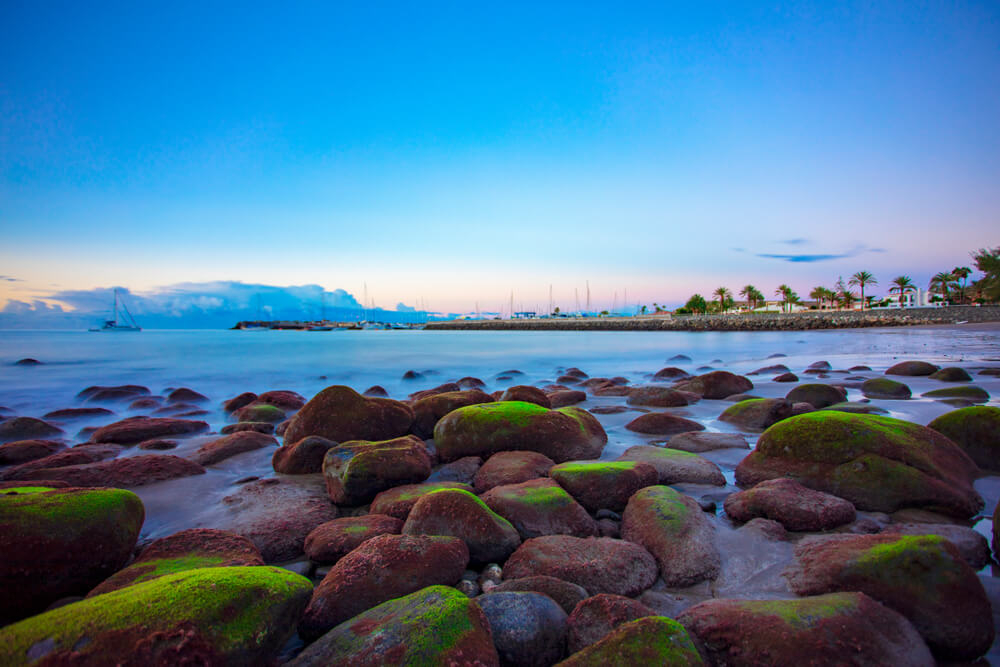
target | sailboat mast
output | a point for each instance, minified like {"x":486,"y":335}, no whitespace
{"x":115,"y":314}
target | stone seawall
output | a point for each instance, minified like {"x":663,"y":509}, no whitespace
{"x":743,"y":322}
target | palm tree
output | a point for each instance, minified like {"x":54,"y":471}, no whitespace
{"x":901,"y":284}
{"x":862,"y":278}
{"x":724,"y":295}
{"x":788,"y":296}
{"x":758,"y":298}
{"x":942,"y":283}
{"x":818,"y":294}
{"x":962,"y":273}
{"x":749,"y":292}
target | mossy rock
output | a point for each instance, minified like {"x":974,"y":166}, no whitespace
{"x":878,"y":463}
{"x":340,"y":414}
{"x":261,"y":412}
{"x":355,"y":472}
{"x":857,"y":408}
{"x":489,"y":536}
{"x":434,"y":626}
{"x":674,"y":466}
{"x":912,"y":368}
{"x":603,"y":484}
{"x":756,"y":414}
{"x":481,"y":430}
{"x":967,"y":392}
{"x":540,"y":507}
{"x":976,"y":430}
{"x":653,"y":640}
{"x":951,"y":374}
{"x":398,"y":501}
{"x":817,"y":395}
{"x":429,"y":410}
{"x":885,"y":388}
{"x":847,"y":628}
{"x":221,"y":615}
{"x":61,"y":542}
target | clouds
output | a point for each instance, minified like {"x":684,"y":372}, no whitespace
{"x":799,"y":258}
{"x":11,"y":280}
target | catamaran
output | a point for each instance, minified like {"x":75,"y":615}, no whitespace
{"x":127,"y":323}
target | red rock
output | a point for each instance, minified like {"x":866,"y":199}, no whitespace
{"x":697,"y":442}
{"x":157,"y":444}
{"x":355,"y":472}
{"x":77,"y":413}
{"x":527,"y":393}
{"x":785,"y":377}
{"x":260,"y":427}
{"x":398,"y":501}
{"x":73,"y":456}
{"x":237,"y":402}
{"x":657,"y":397}
{"x":128,"y":472}
{"x":230,"y":445}
{"x":662,"y":423}
{"x":22,"y":451}
{"x":670,"y":373}
{"x":564,"y":398}
{"x":331,"y":541}
{"x":185,"y":395}
{"x":303,"y":457}
{"x":470,"y":383}
{"x":461,"y":470}
{"x":817,"y":395}
{"x":565,"y":594}
{"x":792,"y":505}
{"x":98,"y":394}
{"x":430,"y":409}
{"x":912,"y":368}
{"x":511,"y":468}
{"x":134,"y":430}
{"x":280,"y":398}
{"x":594,"y":618}
{"x":376,"y":391}
{"x":716,"y":384}
{"x":674,"y":466}
{"x":540,"y":507}
{"x":445,"y":388}
{"x":490,"y":537}
{"x":341,"y":414}
{"x":47,"y":483}
{"x":26,"y":428}
{"x":604,"y":484}
{"x":145,"y":403}
{"x":260,"y":412}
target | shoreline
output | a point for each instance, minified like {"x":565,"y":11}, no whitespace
{"x":811,"y":320}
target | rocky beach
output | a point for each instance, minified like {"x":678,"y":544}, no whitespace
{"x":451,"y":498}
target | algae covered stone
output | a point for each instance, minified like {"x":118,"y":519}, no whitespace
{"x":430,"y":409}
{"x":885,"y":388}
{"x":976,"y":430}
{"x":652,"y":640}
{"x":912,"y":368}
{"x":540,"y":507}
{"x":968,"y":392}
{"x":757,"y":413}
{"x":219,"y":615}
{"x":434,"y":626}
{"x":604,"y":484}
{"x":355,"y":472}
{"x":817,"y":395}
{"x":489,"y":536}
{"x":62,"y":542}
{"x":341,"y":414}
{"x":951,"y":374}
{"x":597,"y":616}
{"x":878,"y":463}
{"x":481,"y":430}
{"x":398,"y":501}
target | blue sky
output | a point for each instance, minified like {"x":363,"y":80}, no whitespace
{"x":453,"y":153}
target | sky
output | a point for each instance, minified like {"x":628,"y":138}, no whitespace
{"x":444,"y":156}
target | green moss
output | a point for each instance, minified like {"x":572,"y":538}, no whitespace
{"x":355,"y":530}
{"x":885,"y":388}
{"x":653,"y":640}
{"x":887,"y":485}
{"x":152,"y":569}
{"x":574,"y":469}
{"x":742,"y":406}
{"x":24,"y":490}
{"x":857,"y":408}
{"x":968,"y":391}
{"x":912,"y":561}
{"x":804,"y":613}
{"x":231,"y":606}
{"x":667,"y":504}
{"x":58,"y":506}
{"x":514,"y":413}
{"x":542,"y":496}
{"x":416,"y":491}
{"x":262,"y":413}
{"x":579,"y":415}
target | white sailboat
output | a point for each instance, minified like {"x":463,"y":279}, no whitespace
{"x":127,"y":324}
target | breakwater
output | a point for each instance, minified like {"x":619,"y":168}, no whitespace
{"x":830,"y":319}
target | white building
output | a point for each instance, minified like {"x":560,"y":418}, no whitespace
{"x":917,"y":298}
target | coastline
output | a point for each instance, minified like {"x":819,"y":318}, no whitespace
{"x":949,"y":315}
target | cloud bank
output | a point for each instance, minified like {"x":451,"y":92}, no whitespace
{"x":810,"y":257}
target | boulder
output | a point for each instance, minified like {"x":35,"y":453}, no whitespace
{"x":528,"y":394}
{"x":67,"y":457}
{"x":457,"y":513}
{"x":662,"y":423}
{"x":820,"y":366}
{"x":976,"y":430}
{"x":566,"y":595}
{"x":331,"y":541}
{"x":598,"y":564}
{"x":951,"y":374}
{"x":376,"y":391}
{"x":185,"y":395}
{"x":604,"y":484}
{"x":237,"y":402}
{"x":674,"y":466}
{"x":912,"y":368}
{"x":566,"y":397}
{"x":540,"y":507}
{"x":186,"y":550}
{"x":61,"y":542}
{"x":965,"y":392}
{"x":22,"y":451}
{"x":303,"y":457}
{"x":768,"y":370}
{"x":469,"y":382}
{"x":398,"y":501}
{"x":128,"y":472}
{"x":785,"y":377}
{"x":885,"y":388}
{"x":672,"y":527}
{"x":260,"y":412}
{"x":656,"y":397}
{"x":756,"y":414}
{"x":99,"y":394}
{"x":434,"y":626}
{"x":445,"y":388}
{"x":877,"y":463}
{"x":134,"y":430}
{"x":428,"y":411}
{"x":716,"y":384}
{"x":922,"y":577}
{"x":970,"y":544}
{"x":670,"y":373}
{"x":217,"y":615}
{"x":260,"y":427}
{"x":511,"y":468}
{"x":341,"y":414}
{"x":482,"y":430}
{"x":596,"y":617}
{"x":816,"y":395}
{"x":857,"y":408}
{"x":528,"y":628}
{"x":282,"y":398}
{"x":380,"y":569}
{"x":461,"y":470}
{"x":652,"y":640}
{"x":68,"y":414}
{"x":697,"y":442}
{"x":840,"y":628}
{"x":355,"y":472}
{"x":228,"y":446}
{"x":26,"y":428}
{"x":792,"y":505}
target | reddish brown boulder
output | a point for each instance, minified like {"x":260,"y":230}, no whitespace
{"x":670,"y":373}
{"x":303,"y":457}
{"x":77,"y":413}
{"x":594,"y":618}
{"x":662,"y":423}
{"x":912,"y":368}
{"x":657,"y":397}
{"x":280,"y":398}
{"x":128,"y":472}
{"x":447,"y":387}
{"x":785,"y":377}
{"x":427,"y":411}
{"x":73,"y":456}
{"x":341,"y":414}
{"x":355,"y":472}
{"x":566,"y":397}
{"x":817,"y":395}
{"x":134,"y":430}
{"x":260,"y":427}
{"x":674,"y":466}
{"x":185,"y":395}
{"x":237,"y":402}
{"x":489,"y":536}
{"x":260,"y":412}
{"x":598,"y":564}
{"x":145,"y":403}
{"x":540,"y":507}
{"x":398,"y":501}
{"x":697,"y":442}
{"x":756,"y":414}
{"x":460,"y":470}
{"x":376,"y":391}
{"x":22,"y":451}
{"x":26,"y":428}
{"x":565,"y":594}
{"x":381,"y":569}
{"x":527,"y":393}
{"x":469,"y":382}
{"x":331,"y":541}
{"x":716,"y":384}
{"x":511,"y":468}
{"x":792,"y":505}
{"x":604,"y":484}
{"x":230,"y":445}
{"x":99,"y":394}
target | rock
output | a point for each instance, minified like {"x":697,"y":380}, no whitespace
{"x":566,"y":397}
{"x":662,"y":423}
{"x":68,"y":414}
{"x":791,"y":504}
{"x":540,"y":507}
{"x":816,"y":395}
{"x":134,"y":430}
{"x":413,"y":375}
{"x":716,"y":384}
{"x":129,"y":472}
{"x":697,"y":442}
{"x":380,"y":569}
{"x":771,"y":530}
{"x":679,"y":357}
{"x":970,"y":544}
{"x":259,"y":427}
{"x":820,"y":366}
{"x":657,"y":397}
{"x":99,"y":394}
{"x":565,"y":594}
{"x":966,"y":392}
{"x":460,"y":514}
{"x":767,"y":370}
{"x":398,"y":501}
{"x":604,"y":484}
{"x":434,"y":626}
{"x":670,"y":373}
{"x":598,"y":564}
{"x":68,"y":457}
{"x":355,"y":472}
{"x":482,"y":430}
{"x":145,"y":403}
{"x":428,"y":411}
{"x":175,"y":619}
{"x":60,"y":542}
{"x":185,"y":395}
{"x":841,"y":628}
{"x":951,"y":374}
{"x":673,"y":528}
{"x":303,"y":457}
{"x":230,"y":445}
{"x":885,"y":388}
{"x":596,"y":617}
{"x":461,"y":470}
{"x":976,"y":430}
{"x":341,"y":414}
{"x":611,"y":409}
{"x":877,"y":463}
{"x":237,"y":402}
{"x":652,"y":640}
{"x":376,"y":391}
{"x":22,"y":451}
{"x":186,"y":550}
{"x":469,"y":382}
{"x":282,"y":398}
{"x":331,"y":541}
{"x":27,"y":361}
{"x":528,"y":394}
{"x":757,"y":414}
{"x":505,"y":468}
{"x":785,"y":377}
{"x":857,"y":408}
{"x":260,"y":412}
{"x":912,"y":368}
{"x":277,"y":515}
{"x":674,"y":466}
{"x":26,"y":428}
{"x":447,"y":387}
{"x":528,"y":628}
